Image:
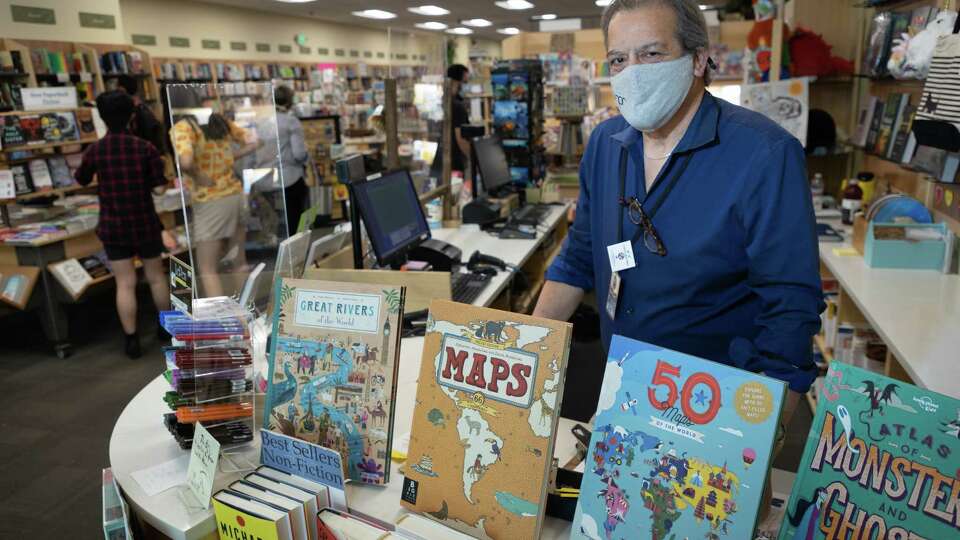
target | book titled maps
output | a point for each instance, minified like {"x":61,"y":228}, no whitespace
{"x":333,"y":370}
{"x":882,"y":461}
{"x":680,"y":449}
{"x":483,"y":431}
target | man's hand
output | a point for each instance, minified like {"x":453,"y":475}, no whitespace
{"x":558,"y":301}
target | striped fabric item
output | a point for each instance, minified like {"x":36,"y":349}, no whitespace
{"x":941,"y":92}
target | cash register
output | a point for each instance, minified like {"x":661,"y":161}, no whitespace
{"x":398,"y":232}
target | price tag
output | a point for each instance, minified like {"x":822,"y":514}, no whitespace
{"x":63,"y":77}
{"x":621,"y":256}
{"x":8,"y":190}
{"x":86,"y":77}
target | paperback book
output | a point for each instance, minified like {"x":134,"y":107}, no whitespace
{"x":333,"y":369}
{"x":486,"y":414}
{"x":680,"y":449}
{"x":881,"y":461}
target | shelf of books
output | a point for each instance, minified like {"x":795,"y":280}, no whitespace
{"x":896,"y":131}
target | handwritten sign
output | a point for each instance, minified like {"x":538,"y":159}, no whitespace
{"x":53,"y":97}
{"x":301,"y":458}
{"x":204,"y":456}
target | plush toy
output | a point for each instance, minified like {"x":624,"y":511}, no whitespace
{"x":910,"y":56}
{"x":757,"y":57}
{"x":810,"y":56}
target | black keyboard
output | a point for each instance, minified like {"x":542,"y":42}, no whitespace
{"x":467,"y":287}
{"x":531,"y":214}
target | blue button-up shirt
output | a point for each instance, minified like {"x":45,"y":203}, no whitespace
{"x":740,"y":283}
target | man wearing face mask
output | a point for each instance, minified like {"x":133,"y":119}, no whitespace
{"x":704,"y":205}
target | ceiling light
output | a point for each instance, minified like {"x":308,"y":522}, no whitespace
{"x":510,"y":31}
{"x":514,"y":4}
{"x":477,"y":23}
{"x":429,"y":11}
{"x":460,"y":31}
{"x":431,"y":25}
{"x":603,"y":3}
{"x":544,"y":17}
{"x":375,"y":14}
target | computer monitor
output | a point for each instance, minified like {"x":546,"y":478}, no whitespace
{"x":492,"y":162}
{"x":392,"y":214}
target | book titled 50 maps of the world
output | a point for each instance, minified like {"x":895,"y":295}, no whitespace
{"x":680,"y":448}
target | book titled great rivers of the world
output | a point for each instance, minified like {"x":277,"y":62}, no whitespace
{"x":680,"y":448}
{"x":332,"y":370}
{"x":486,"y":415}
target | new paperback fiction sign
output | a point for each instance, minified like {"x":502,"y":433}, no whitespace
{"x":53,"y":97}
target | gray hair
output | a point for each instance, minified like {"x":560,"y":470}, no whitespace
{"x":691,"y":25}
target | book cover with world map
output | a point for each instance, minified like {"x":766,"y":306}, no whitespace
{"x":332,"y":370}
{"x":487,"y":407}
{"x":680,"y":448}
{"x":882,"y":461}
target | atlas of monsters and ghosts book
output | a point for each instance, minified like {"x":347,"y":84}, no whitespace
{"x":882,"y":461}
{"x":485,"y":419}
{"x":680,"y":449}
{"x":333,"y":370}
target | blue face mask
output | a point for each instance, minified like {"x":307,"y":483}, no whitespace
{"x":648,"y":95}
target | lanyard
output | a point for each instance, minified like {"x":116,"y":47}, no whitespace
{"x":656,"y":206}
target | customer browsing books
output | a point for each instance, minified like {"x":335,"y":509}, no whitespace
{"x":127,"y":169}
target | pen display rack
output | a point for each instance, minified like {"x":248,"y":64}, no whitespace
{"x":210,"y":370}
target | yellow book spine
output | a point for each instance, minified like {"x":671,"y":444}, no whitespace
{"x":233,"y":524}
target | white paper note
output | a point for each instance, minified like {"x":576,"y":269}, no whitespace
{"x":164,"y":476}
{"x":202,"y":468}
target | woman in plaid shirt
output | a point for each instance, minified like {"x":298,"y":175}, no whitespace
{"x":127,"y":169}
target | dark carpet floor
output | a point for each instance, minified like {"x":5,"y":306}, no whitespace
{"x":59,"y":414}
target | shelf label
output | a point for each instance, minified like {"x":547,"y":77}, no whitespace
{"x":304,"y":50}
{"x":339,"y":52}
{"x":354,"y":53}
{"x":286,"y":49}
{"x":53,"y":97}
{"x":367,"y":54}
{"x":238,"y":45}
{"x":322,"y":51}
{"x":179,"y":42}
{"x":263,"y":47}
{"x":33,"y":15}
{"x":63,"y":77}
{"x":210,"y":44}
{"x":86,"y":76}
{"x":143,"y":39}
{"x":97,"y":20}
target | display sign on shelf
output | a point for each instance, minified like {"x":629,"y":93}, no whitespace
{"x":204,"y":455}
{"x":300,"y":458}
{"x":54,"y":97}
